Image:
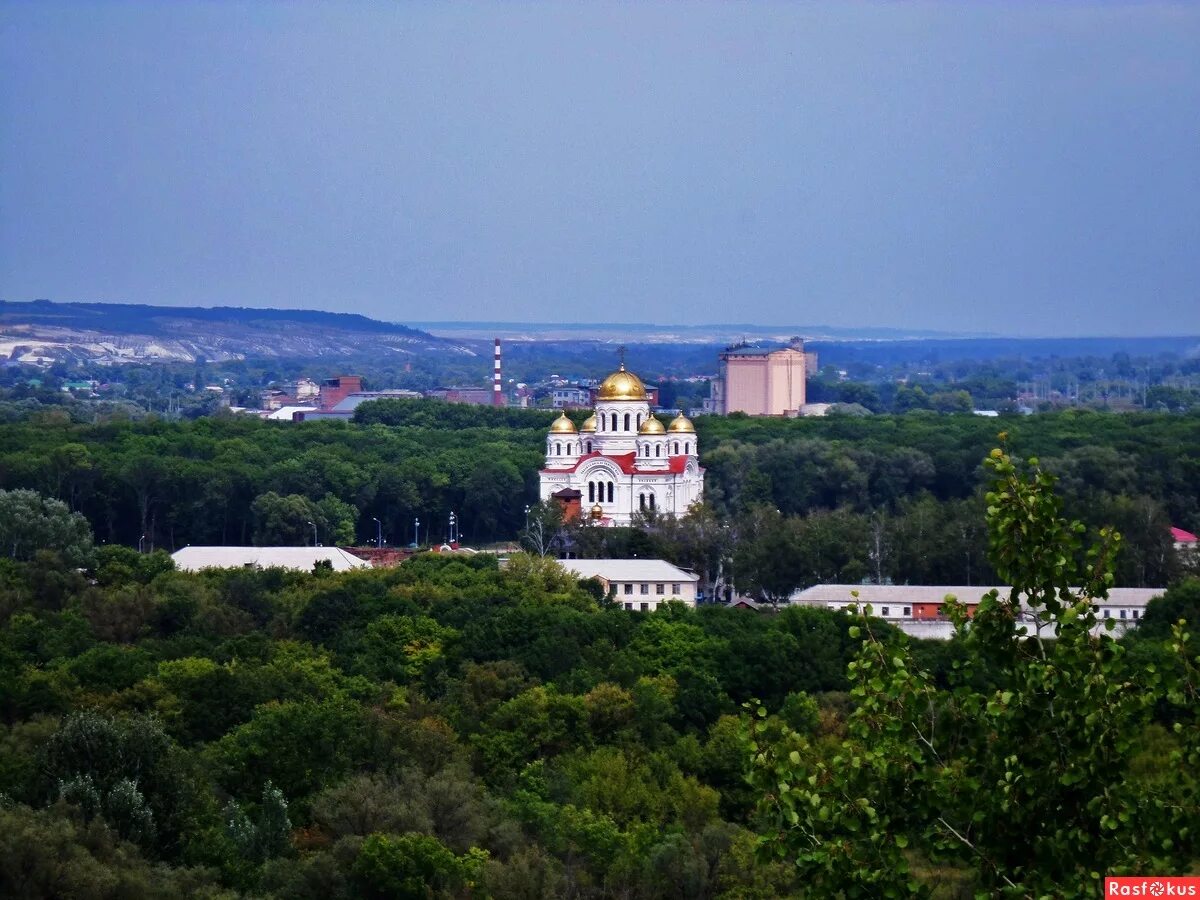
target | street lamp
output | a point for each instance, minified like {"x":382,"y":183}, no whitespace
{"x":378,"y":533}
{"x":452,"y":521}
{"x":140,"y":542}
{"x":527,"y":508}
{"x":314,"y":528}
{"x":416,"y":532}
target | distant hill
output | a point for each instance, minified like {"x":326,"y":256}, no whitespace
{"x":39,"y":330}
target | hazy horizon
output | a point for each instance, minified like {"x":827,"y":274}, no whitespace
{"x":1014,"y":170}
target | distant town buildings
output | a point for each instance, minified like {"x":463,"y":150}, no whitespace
{"x":623,"y":459}
{"x":477,"y":396}
{"x":334,"y":390}
{"x":762,"y":382}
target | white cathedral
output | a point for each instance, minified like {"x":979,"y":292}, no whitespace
{"x":623,"y":459}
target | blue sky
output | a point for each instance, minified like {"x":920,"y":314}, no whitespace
{"x":1015,"y":168}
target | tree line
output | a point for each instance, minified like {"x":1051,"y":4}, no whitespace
{"x":878,"y":497}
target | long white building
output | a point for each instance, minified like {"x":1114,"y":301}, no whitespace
{"x":918,"y":610}
{"x":639,"y":585}
{"x":300,"y":559}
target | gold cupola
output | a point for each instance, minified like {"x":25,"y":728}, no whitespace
{"x":681,"y":424}
{"x":589,"y":424}
{"x":563,"y":425}
{"x":652,"y":426}
{"x":622,"y":385}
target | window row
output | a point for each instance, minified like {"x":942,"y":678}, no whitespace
{"x":577,"y":448}
{"x":612,"y":420}
{"x":597,"y":491}
{"x":644,"y":588}
{"x":644,"y":449}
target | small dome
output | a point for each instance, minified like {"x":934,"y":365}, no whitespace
{"x":589,"y":424}
{"x":681,"y":424}
{"x":621,"y":385}
{"x":563,"y":425}
{"x":652,"y":426}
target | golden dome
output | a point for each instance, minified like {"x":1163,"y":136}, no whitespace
{"x":589,"y":424}
{"x":621,"y":385}
{"x":652,"y":426}
{"x":563,"y":425}
{"x":681,"y":424}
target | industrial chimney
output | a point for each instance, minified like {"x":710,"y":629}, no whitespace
{"x":497,"y":392}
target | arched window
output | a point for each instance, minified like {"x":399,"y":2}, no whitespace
{"x":610,"y":492}
{"x":591,"y":492}
{"x":558,"y":449}
{"x":652,"y":502}
{"x":639,"y":420}
{"x":687,"y":446}
{"x":641,"y":501}
{"x":614,"y":421}
{"x":658,"y":450}
{"x":589,"y":446}
{"x":626,"y":421}
{"x":677,"y":448}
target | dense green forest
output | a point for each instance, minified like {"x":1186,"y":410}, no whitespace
{"x":450,"y":729}
{"x":333,"y":735}
{"x":841,"y":498}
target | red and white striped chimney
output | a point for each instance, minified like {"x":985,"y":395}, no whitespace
{"x":497,"y":394}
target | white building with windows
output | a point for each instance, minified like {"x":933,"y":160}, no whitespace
{"x":623,"y":459}
{"x":919,"y":610}
{"x":638,"y":585}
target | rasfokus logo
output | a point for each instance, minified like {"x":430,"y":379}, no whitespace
{"x":1152,"y":886}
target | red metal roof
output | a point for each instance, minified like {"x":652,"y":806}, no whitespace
{"x":1179,"y":536}
{"x":628,"y":464}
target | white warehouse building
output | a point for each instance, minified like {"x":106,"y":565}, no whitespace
{"x":639,"y":585}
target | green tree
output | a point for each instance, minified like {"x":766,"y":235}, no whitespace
{"x":1009,"y":773}
{"x":413,"y":867}
{"x":30,"y":522}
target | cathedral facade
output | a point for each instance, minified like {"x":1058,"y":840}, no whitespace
{"x":623,"y":459}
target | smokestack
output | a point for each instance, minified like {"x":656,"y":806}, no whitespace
{"x":497,"y":395}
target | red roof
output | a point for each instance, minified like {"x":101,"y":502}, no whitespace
{"x":628,"y":464}
{"x":1179,"y":536}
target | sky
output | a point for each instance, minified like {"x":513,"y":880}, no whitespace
{"x":1014,"y":168}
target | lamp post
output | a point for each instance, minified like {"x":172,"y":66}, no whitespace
{"x":314,"y":528}
{"x":453,"y":537}
{"x":527,"y":508}
{"x":141,"y":540}
{"x":378,"y":533}
{"x":416,"y":532}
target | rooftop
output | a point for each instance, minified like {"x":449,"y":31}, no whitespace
{"x":924,"y":593}
{"x":627,"y":569}
{"x":301,"y":559}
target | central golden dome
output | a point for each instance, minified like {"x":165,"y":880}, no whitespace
{"x":622,"y":385}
